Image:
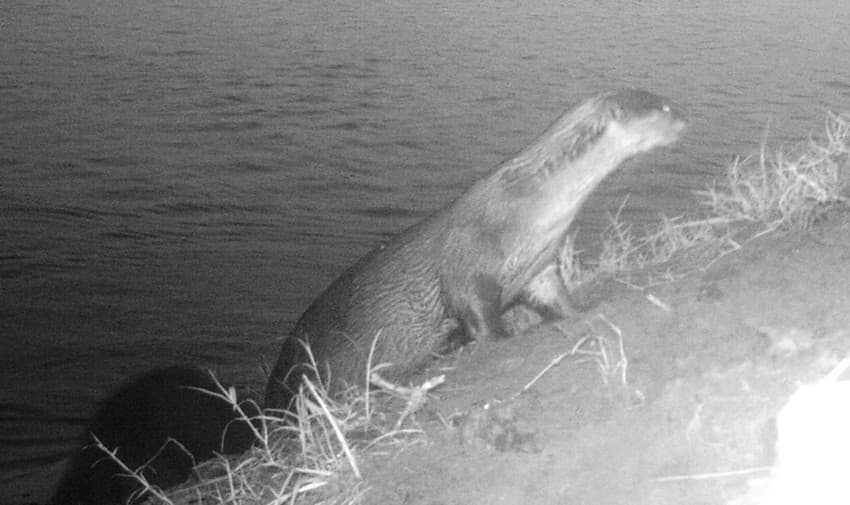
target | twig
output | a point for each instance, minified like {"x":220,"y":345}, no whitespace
{"x":415,"y":396}
{"x":551,"y":364}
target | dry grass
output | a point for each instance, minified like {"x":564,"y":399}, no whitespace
{"x":789,"y":188}
{"x":611,"y":361}
{"x":307,"y":455}
{"x":761,"y":194}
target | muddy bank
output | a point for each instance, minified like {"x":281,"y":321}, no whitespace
{"x":711,"y":359}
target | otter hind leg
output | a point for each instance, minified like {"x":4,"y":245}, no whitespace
{"x":482,"y":316}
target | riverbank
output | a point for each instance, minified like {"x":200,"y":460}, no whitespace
{"x":711,"y":360}
{"x":664,"y":388}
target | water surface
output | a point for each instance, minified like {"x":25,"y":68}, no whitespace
{"x":179,"y":179}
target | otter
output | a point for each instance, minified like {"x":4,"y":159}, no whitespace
{"x":461,"y":268}
{"x":138,"y":420}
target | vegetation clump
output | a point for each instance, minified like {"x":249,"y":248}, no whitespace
{"x":760,"y":194}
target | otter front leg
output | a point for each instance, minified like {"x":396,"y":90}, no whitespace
{"x":481,"y":317}
{"x":547,"y":295}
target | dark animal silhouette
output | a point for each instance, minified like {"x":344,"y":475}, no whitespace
{"x":138,"y":420}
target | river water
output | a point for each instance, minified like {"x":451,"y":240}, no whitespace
{"x":178,"y":179}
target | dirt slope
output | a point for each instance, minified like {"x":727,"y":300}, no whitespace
{"x":710,"y":363}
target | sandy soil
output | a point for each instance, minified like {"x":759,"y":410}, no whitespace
{"x":710,"y":363}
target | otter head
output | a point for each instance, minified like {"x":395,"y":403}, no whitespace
{"x":600,"y":133}
{"x":546,"y":184}
{"x":641,"y":121}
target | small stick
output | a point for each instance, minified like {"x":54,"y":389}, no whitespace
{"x":658,"y":303}
{"x":415,"y":396}
{"x":713,"y":475}
{"x":551,"y":364}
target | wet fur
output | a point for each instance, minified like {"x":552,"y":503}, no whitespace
{"x":459,"y":269}
{"x":138,"y":420}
